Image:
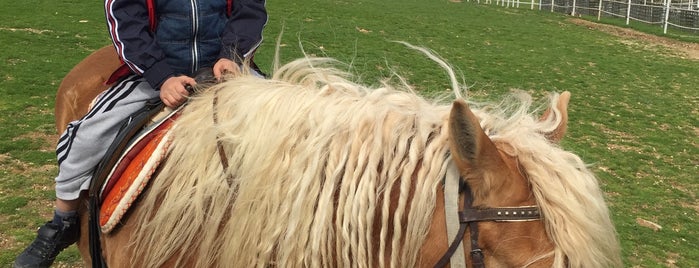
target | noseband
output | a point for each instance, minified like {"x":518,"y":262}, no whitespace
{"x":470,"y":216}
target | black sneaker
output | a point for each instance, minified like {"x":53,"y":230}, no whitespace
{"x":50,"y":241}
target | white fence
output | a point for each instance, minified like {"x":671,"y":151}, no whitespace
{"x":681,"y":14}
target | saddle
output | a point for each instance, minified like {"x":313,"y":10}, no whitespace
{"x":133,"y":168}
{"x":135,"y":154}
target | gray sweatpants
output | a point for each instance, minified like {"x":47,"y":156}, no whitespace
{"x":85,"y":141}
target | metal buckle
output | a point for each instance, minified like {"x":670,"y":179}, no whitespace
{"x":477,"y":258}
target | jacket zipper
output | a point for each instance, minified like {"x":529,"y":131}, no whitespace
{"x":195,"y":30}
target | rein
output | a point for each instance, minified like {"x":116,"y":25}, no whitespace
{"x":470,"y":216}
{"x":219,"y":144}
{"x":205,"y":75}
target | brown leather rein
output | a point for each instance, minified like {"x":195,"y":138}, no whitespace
{"x":470,"y":216}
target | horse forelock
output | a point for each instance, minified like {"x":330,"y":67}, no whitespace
{"x":321,"y":165}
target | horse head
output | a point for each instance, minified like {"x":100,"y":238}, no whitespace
{"x":497,"y":178}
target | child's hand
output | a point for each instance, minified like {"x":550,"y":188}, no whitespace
{"x":224,"y":66}
{"x":173,"y":93}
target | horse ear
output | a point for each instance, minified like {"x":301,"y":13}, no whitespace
{"x":471,"y":148}
{"x":557,"y":134}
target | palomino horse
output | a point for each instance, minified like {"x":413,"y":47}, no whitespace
{"x":325,"y":172}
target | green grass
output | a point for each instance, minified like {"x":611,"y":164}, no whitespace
{"x":634,"y":112}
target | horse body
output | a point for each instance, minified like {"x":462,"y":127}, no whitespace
{"x":325,"y":172}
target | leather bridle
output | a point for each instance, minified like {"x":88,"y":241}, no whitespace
{"x":470,"y":216}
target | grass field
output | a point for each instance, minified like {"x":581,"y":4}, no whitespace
{"x":634,"y":113}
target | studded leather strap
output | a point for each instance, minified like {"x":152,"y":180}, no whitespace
{"x":524,"y":213}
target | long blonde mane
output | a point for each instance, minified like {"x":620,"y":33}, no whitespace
{"x":327,"y":172}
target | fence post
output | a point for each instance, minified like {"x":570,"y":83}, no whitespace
{"x":599,"y":10}
{"x":553,"y":2}
{"x":572,"y":13}
{"x":667,"y":15}
{"x":628,"y":12}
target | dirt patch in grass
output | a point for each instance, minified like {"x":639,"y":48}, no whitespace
{"x":14,"y":166}
{"x":29,"y":30}
{"x":6,"y":240}
{"x":683,"y":49}
{"x":48,"y":141}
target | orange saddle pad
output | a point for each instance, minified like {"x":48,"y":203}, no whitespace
{"x":132,"y":172}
